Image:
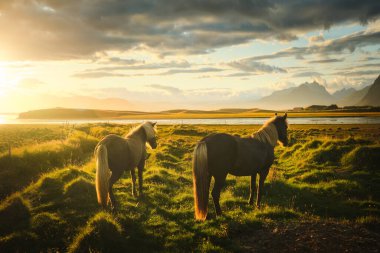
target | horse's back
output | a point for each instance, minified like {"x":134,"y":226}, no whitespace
{"x":235,"y":155}
{"x":221,"y":153}
{"x":117,"y":150}
{"x":252,"y":157}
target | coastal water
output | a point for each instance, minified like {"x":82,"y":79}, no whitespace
{"x":13,"y":119}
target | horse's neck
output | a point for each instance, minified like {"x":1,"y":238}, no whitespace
{"x":267,"y":134}
{"x":138,"y":135}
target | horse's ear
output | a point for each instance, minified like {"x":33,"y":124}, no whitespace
{"x":154,"y":123}
{"x":286,"y":115}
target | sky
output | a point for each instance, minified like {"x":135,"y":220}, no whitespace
{"x":156,"y":55}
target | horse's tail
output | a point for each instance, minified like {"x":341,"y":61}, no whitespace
{"x":102,"y":174}
{"x":201,"y":181}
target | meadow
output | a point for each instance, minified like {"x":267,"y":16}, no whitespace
{"x":322,"y":194}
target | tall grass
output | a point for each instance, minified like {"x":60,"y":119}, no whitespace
{"x":28,"y":162}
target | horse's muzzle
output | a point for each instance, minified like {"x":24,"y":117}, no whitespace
{"x":153,"y":144}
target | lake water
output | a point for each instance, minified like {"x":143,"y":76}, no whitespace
{"x":12,"y":119}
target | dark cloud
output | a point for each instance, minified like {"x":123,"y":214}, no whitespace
{"x":248,"y":65}
{"x":71,"y":29}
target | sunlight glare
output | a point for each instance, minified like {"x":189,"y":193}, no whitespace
{"x":4,"y":80}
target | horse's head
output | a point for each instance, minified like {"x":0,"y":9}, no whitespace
{"x":150,"y":132}
{"x":282,"y":128}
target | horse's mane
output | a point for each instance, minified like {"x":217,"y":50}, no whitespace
{"x":147,"y":126}
{"x":267,"y":133}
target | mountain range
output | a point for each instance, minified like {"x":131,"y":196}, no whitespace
{"x":316,"y":94}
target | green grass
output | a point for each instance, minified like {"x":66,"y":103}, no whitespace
{"x":329,"y":174}
{"x":28,"y":162}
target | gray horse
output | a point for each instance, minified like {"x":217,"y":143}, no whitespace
{"x":115,"y":154}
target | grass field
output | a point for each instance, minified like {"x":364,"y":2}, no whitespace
{"x":322,"y":194}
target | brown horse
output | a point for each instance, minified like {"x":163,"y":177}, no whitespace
{"x":115,"y":154}
{"x":217,"y":155}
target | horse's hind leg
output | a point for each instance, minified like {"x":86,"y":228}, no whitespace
{"x":133,"y":175}
{"x":263,"y":176}
{"x":218,"y":185}
{"x":114,"y":177}
{"x":252,"y":189}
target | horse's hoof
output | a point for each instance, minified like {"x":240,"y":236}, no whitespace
{"x":209,"y":217}
{"x":114,"y":209}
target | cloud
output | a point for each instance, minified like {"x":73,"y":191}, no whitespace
{"x":250,"y":66}
{"x":146,"y":66}
{"x":342,"y":82}
{"x":30,"y":83}
{"x":369,"y":58}
{"x":97,"y":74}
{"x":135,"y":65}
{"x":327,"y":60}
{"x":110,"y":71}
{"x":117,"y":60}
{"x":347,"y":43}
{"x":238,"y":74}
{"x":307,"y":74}
{"x":168,"y":89}
{"x":361,"y":66}
{"x":186,"y":71}
{"x":359,"y":73}
{"x":317,"y":38}
{"x":73,"y":29}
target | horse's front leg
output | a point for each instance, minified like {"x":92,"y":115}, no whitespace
{"x":263,"y":176}
{"x":133,"y":176}
{"x":252,"y":189}
{"x":140,"y":169}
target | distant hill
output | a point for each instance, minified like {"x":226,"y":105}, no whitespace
{"x":69,"y":113}
{"x":304,"y":95}
{"x":372,"y":97}
{"x":343,"y":93}
{"x":310,"y":111}
{"x":313,"y":93}
{"x":353,"y":98}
